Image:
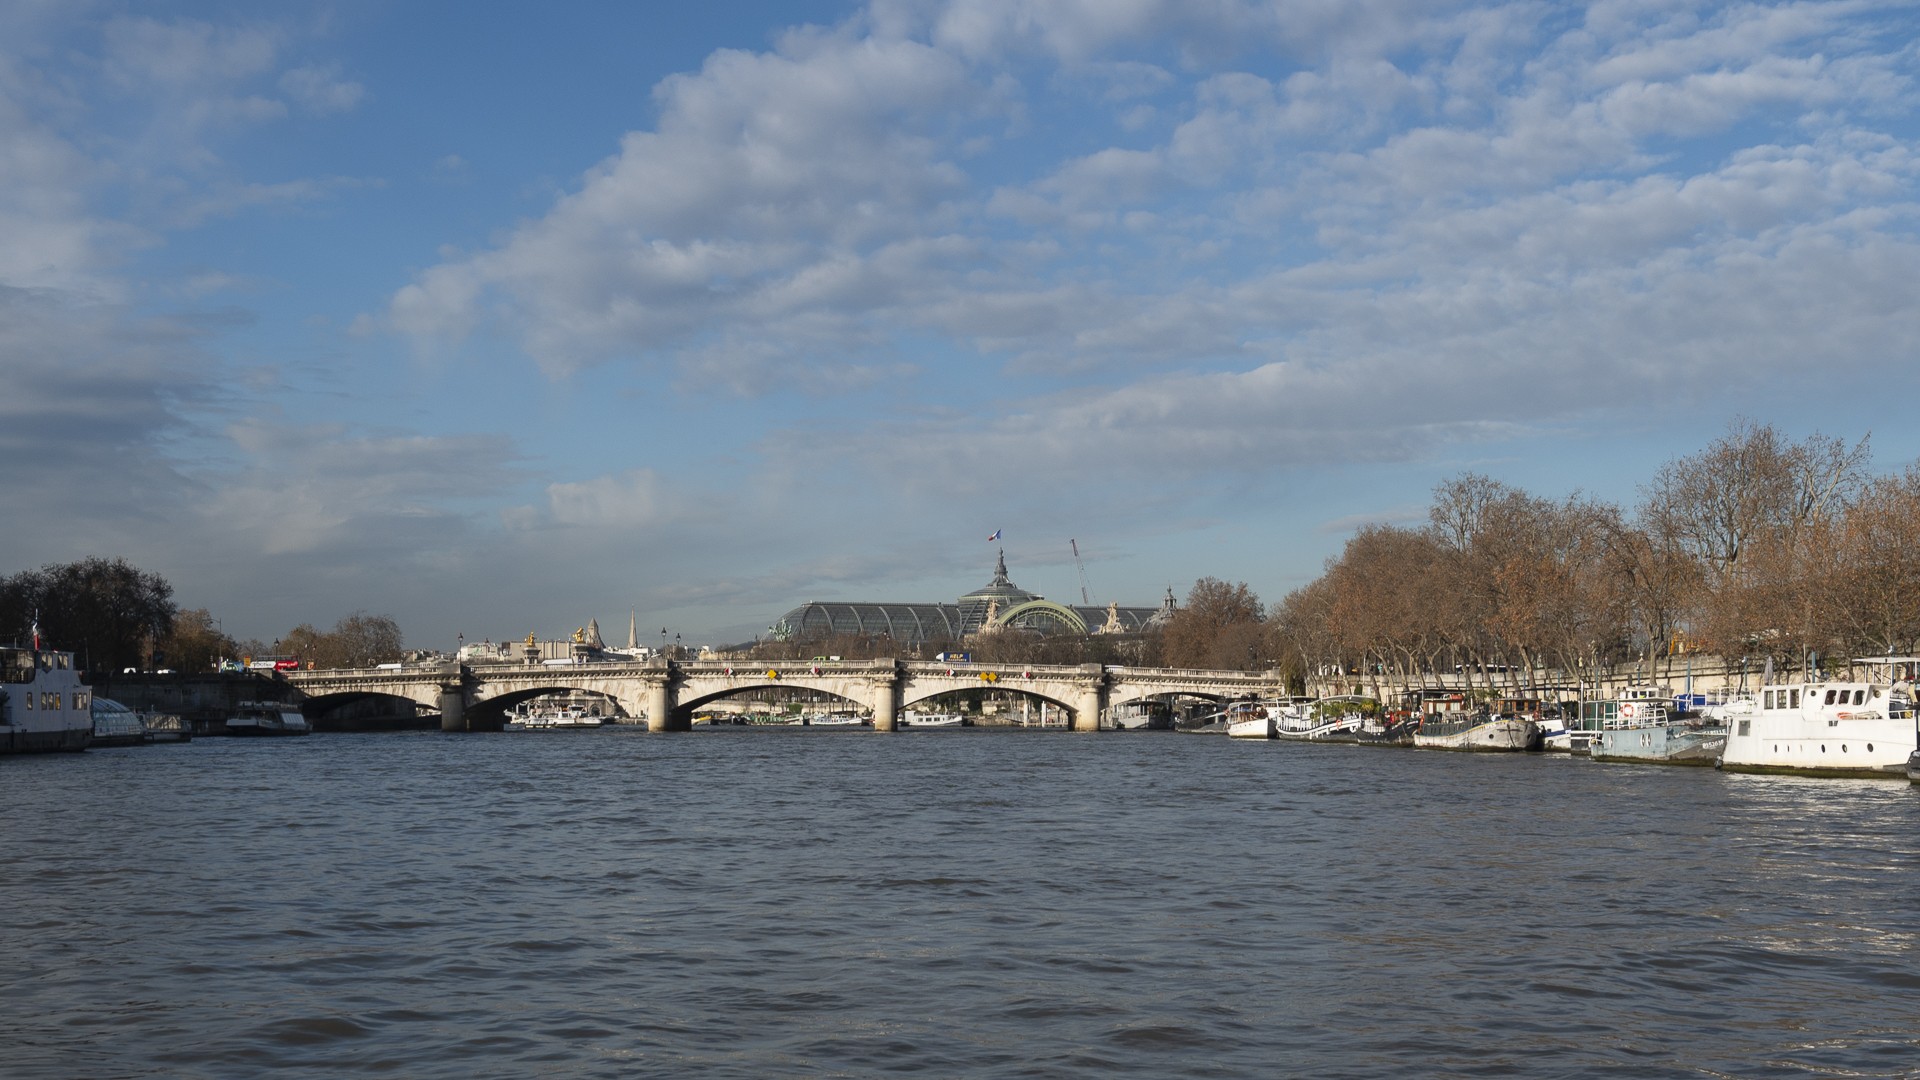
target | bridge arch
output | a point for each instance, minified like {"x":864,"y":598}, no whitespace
{"x":368,"y":710}
{"x":500,"y":705}
{"x":695,"y":699}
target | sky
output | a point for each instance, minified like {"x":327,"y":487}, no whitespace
{"x":496,"y":318}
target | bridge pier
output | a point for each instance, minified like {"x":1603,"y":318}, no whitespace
{"x":886,"y":705}
{"x":661,"y":706}
{"x":453,"y":708}
{"x":1092,"y":698}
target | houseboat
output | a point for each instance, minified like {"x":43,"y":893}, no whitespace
{"x":1827,"y":728}
{"x":44,"y":707}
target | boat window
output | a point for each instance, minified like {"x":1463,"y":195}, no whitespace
{"x":1794,"y":696}
{"x":1769,"y":701}
{"x":29,"y":698}
{"x":1859,"y":697}
{"x":66,"y":661}
{"x":79,"y":700}
{"x":1829,"y":696}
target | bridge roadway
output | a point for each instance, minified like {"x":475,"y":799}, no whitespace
{"x":478,"y":697}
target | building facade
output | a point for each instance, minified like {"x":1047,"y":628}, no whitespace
{"x":999,"y":605}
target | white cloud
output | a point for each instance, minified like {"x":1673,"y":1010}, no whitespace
{"x":633,"y":500}
{"x":322,"y":492}
{"x":320,"y":89}
{"x":1119,"y":262}
{"x":772,"y":188}
{"x":140,"y":54}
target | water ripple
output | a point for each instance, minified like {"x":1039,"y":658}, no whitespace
{"x":744,"y":904}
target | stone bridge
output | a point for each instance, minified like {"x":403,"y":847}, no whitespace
{"x":478,"y":697}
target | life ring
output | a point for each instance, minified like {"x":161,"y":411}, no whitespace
{"x":1628,"y":709}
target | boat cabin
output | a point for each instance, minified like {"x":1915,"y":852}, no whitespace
{"x":1843,"y":700}
{"x":1641,"y":709}
{"x":1432,"y":701}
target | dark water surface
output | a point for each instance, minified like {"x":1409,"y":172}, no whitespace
{"x":750,"y":903}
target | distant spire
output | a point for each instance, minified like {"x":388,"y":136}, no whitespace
{"x":1000,"y":569}
{"x":633,"y":631}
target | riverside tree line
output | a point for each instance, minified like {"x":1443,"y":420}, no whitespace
{"x":1757,"y":547}
{"x":115,"y":616}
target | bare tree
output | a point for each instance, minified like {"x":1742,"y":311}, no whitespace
{"x":1746,"y":484}
{"x":358,"y":640}
{"x":1557,"y":596}
{"x":1220,"y":626}
{"x":1658,"y":583}
{"x":1874,"y":560}
{"x":196,"y":642}
{"x":1391,"y":605}
{"x":110,"y":612}
{"x":1300,"y":628}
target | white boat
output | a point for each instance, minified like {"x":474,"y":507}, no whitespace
{"x":552,"y":718}
{"x":1554,"y":732}
{"x":1141,"y":716}
{"x":267,"y":718}
{"x":1334,"y":719}
{"x":574,"y":716}
{"x":44,"y":707}
{"x":1251,"y":720}
{"x":834,"y":720}
{"x":1833,"y":728}
{"x":116,"y":725}
{"x":1553,"y":719}
{"x":166,"y":727}
{"x":1724,"y":713}
{"x":916,"y":719}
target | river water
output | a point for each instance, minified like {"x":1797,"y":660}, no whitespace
{"x":961,"y":903}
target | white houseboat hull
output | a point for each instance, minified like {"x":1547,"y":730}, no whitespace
{"x":1836,"y":729}
{"x":1870,"y":748}
{"x":1251,"y":727}
{"x":1343,"y":729}
{"x":1661,"y":744}
{"x":1493,"y":736}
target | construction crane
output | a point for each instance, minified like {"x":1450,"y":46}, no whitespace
{"x":1084,"y":599}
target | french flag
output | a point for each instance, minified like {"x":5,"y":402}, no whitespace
{"x":995,"y":536}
